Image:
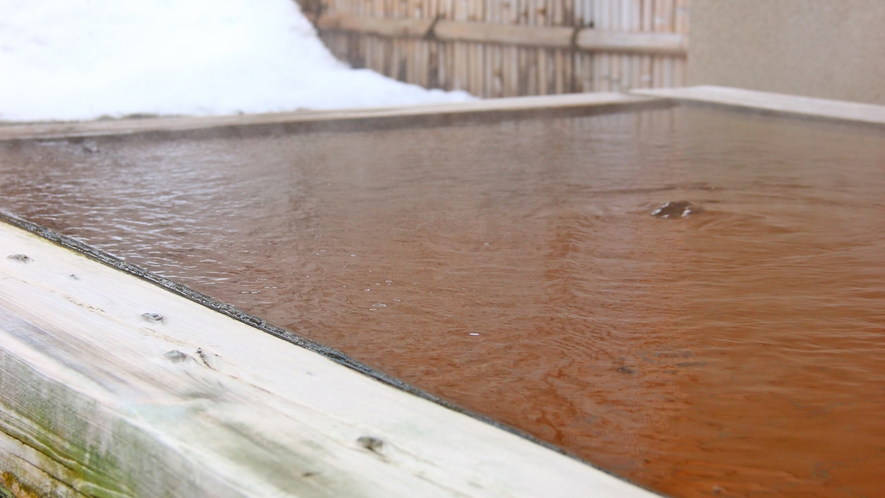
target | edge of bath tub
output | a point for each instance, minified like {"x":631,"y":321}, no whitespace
{"x":772,"y":103}
{"x":335,"y":120}
{"x":112,"y":384}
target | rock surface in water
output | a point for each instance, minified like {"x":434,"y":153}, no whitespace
{"x":676,"y":209}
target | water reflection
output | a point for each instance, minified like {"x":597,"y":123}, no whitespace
{"x":515,"y":269}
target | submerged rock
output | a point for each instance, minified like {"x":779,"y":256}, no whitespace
{"x":676,"y":209}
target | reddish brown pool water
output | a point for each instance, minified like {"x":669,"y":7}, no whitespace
{"x":514,"y":269}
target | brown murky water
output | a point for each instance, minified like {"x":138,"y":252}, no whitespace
{"x":514,"y":269}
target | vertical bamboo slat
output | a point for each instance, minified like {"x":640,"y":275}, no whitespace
{"x":496,"y":70}
{"x":681,"y":27}
{"x":603,"y":64}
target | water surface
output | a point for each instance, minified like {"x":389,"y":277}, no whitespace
{"x":515,"y":269}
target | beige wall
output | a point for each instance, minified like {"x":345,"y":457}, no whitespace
{"x":820,"y":48}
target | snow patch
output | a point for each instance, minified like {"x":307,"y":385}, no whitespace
{"x":83,"y":59}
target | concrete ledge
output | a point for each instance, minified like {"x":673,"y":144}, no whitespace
{"x":337,"y":120}
{"x":112,"y":386}
{"x":773,"y":102}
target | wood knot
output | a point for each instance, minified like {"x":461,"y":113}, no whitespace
{"x":152,"y":317}
{"x":175,"y":356}
{"x":371,"y":443}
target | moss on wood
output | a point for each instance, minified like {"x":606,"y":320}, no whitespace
{"x":12,"y":487}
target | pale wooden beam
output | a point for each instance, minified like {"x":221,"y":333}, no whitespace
{"x":598,"y":40}
{"x":365,"y":117}
{"x":379,"y":26}
{"x":774,"y":102}
{"x":113,"y":386}
{"x":506,"y":34}
{"x":633,"y":42}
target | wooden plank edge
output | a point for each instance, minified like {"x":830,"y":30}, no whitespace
{"x":562,"y":37}
{"x":250,"y":320}
{"x":183,"y":401}
{"x":776,"y":103}
{"x":673,"y":44}
{"x":378,"y":26}
{"x":211,"y":303}
{"x":340,"y":119}
{"x":504,"y":34}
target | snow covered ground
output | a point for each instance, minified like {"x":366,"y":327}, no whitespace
{"x":84,"y":59}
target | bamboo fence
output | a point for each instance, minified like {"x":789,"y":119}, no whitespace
{"x":505,"y":48}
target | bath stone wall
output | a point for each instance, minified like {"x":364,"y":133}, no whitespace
{"x":823,"y":48}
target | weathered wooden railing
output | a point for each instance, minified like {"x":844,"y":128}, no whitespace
{"x":495,"y":48}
